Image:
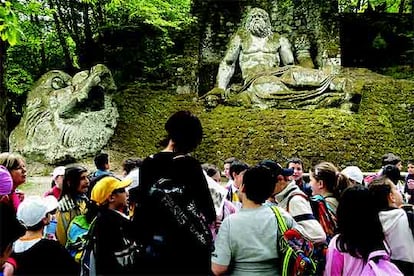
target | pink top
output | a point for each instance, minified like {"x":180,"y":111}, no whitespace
{"x":55,"y":191}
{"x":341,"y":263}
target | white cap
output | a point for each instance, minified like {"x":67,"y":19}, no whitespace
{"x":34,"y":208}
{"x":353,"y":173}
{"x":58,"y":171}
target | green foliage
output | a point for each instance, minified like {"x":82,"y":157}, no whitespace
{"x":18,"y":80}
{"x":158,"y":13}
{"x":379,"y":42}
{"x":390,"y":6}
{"x":9,"y":24}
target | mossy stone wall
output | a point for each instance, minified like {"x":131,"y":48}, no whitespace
{"x":383,"y":124}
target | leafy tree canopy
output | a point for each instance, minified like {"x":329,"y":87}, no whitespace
{"x":388,"y":6}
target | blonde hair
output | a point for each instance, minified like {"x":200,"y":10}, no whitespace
{"x":10,"y":160}
{"x":334,"y":181}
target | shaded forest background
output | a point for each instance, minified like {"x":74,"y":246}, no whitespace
{"x":145,"y":42}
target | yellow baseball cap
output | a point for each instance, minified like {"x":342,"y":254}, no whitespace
{"x":105,"y":187}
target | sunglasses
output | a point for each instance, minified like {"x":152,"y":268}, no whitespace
{"x":119,"y":191}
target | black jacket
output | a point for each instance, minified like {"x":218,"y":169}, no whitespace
{"x":177,"y":253}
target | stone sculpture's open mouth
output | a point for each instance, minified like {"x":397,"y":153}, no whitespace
{"x":94,"y":101}
{"x":90,"y":96}
{"x":67,"y":118}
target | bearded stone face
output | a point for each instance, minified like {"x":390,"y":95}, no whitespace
{"x":67,"y":118}
{"x":258,"y":23}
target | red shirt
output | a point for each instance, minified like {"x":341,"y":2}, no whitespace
{"x":55,"y":191}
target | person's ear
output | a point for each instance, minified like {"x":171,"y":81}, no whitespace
{"x":111,"y":198}
{"x":46,"y":220}
{"x":242,"y":189}
{"x":391,"y":198}
{"x":233,"y":175}
{"x":321,"y":184}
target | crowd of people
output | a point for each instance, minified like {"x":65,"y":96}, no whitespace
{"x":168,"y":214}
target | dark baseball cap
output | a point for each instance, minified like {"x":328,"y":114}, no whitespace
{"x":276,"y":168}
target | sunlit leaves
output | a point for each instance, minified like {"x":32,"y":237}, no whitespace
{"x":9,"y":24}
{"x":384,"y":6}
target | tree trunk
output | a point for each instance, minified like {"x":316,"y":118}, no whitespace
{"x":68,"y":60}
{"x":4,"y":133}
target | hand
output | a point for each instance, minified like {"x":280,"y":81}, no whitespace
{"x":217,"y":223}
{"x":8,"y":269}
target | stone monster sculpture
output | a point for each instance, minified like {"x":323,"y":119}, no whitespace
{"x":67,"y":118}
{"x":270,"y":77}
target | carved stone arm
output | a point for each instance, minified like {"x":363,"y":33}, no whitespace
{"x":285,"y":51}
{"x":228,"y":64}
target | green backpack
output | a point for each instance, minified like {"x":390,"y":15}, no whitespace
{"x":297,"y":253}
{"x":77,"y":236}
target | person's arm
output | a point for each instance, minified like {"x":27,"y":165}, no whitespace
{"x":62,"y":223}
{"x":221,"y":257}
{"x":309,"y":228}
{"x":228,"y":64}
{"x":218,"y":269}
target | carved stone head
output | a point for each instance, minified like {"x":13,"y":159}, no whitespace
{"x":258,"y":22}
{"x":67,"y":118}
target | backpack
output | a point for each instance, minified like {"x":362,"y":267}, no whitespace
{"x":77,"y":236}
{"x":180,"y":213}
{"x":80,"y":243}
{"x":86,"y":250}
{"x":379,"y":264}
{"x":298,"y":252}
{"x":321,"y":212}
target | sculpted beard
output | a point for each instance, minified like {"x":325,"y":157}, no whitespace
{"x":258,"y":27}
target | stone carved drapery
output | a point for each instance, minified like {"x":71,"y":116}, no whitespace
{"x":270,"y":78}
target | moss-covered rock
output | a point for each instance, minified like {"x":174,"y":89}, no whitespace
{"x":384,"y":123}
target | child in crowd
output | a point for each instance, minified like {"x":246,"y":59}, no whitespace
{"x":409,"y":182}
{"x":10,"y":230}
{"x":354,"y":175}
{"x":73,"y":200}
{"x":50,"y":228}
{"x":212,"y":171}
{"x":114,"y":249}
{"x":31,"y":250}
{"x":387,"y":200}
{"x":237,"y":169}
{"x":327,"y":181}
{"x":349,"y":250}
{"x":291,"y":198}
{"x":297,"y":165}
{"x":57,"y":182}
{"x":223,"y":206}
{"x":246,"y":243}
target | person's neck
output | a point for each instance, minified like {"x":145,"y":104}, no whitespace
{"x":31,"y":235}
{"x":325,"y":193}
{"x":249,"y":204}
{"x":169,"y":147}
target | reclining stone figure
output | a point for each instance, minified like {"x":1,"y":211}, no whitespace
{"x":270,"y":77}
